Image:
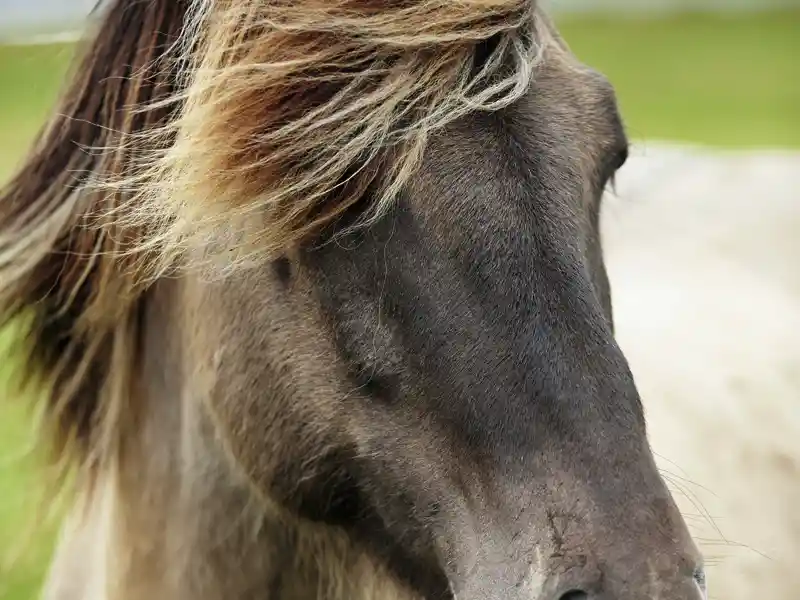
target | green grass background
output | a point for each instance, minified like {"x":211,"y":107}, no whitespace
{"x":719,"y":81}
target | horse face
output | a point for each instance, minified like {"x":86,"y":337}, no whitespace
{"x":445,"y":384}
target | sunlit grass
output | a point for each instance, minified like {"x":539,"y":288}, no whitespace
{"x":26,"y":537}
{"x":706,"y":79}
{"x":30,"y":78}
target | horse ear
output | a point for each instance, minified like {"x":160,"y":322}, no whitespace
{"x":56,"y":264}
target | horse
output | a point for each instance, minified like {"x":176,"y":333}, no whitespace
{"x":314,"y":293}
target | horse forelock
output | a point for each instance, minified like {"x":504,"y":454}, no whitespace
{"x":291,"y":111}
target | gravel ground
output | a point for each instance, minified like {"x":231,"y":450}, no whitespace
{"x":703,"y":250}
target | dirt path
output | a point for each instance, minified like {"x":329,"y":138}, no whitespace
{"x":704,"y":256}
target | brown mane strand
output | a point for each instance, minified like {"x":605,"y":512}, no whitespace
{"x":61,"y":269}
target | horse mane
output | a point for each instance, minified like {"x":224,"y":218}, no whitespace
{"x":193,"y":124}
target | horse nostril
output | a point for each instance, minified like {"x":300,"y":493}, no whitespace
{"x":574,"y":595}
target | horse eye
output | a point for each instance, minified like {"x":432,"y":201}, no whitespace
{"x":614,"y":165}
{"x":621,"y":158}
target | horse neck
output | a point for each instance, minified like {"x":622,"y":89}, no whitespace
{"x":172,"y":518}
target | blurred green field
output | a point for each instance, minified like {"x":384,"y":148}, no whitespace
{"x":711,"y":80}
{"x":22,"y":554}
{"x":732,"y":82}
